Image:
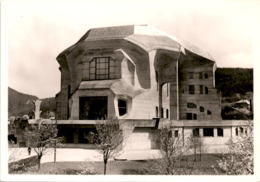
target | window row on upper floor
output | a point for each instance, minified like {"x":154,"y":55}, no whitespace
{"x":193,"y":75}
{"x":192,"y":91}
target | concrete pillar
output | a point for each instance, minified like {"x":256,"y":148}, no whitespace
{"x":75,"y":107}
{"x":160,"y":100}
{"x":215,"y":132}
{"x":201,"y":132}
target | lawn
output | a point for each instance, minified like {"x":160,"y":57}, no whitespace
{"x":142,"y":167}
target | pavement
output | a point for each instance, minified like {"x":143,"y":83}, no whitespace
{"x":76,"y":154}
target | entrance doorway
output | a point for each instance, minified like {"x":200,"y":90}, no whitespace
{"x":93,"y":108}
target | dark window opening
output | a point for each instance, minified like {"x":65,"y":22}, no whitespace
{"x":176,"y":133}
{"x":156,"y":111}
{"x":241,"y":130}
{"x":220,"y":132}
{"x":194,"y":116}
{"x":200,"y":75}
{"x":162,"y":112}
{"x":191,"y":105}
{"x":206,"y":90}
{"x":122,"y":107}
{"x":201,"y":109}
{"x":201,"y":89}
{"x":236,"y":131}
{"x":208,"y":112}
{"x":189,"y":116}
{"x":206,"y":75}
{"x":246,"y":131}
{"x":169,"y":134}
{"x":167,"y":113}
{"x":191,"y":89}
{"x":93,"y":108}
{"x":196,"y":132}
{"x":190,"y":75}
{"x":208,"y":132}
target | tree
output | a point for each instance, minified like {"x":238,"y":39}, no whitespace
{"x":41,"y":137}
{"x":108,"y":138}
{"x":172,"y":148}
{"x":240,"y":157}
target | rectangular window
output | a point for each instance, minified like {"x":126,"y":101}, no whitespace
{"x":162,"y":111}
{"x":206,"y":90}
{"x":194,"y":116}
{"x":176,"y":133}
{"x":189,"y":116}
{"x":191,"y":89}
{"x":220,"y":132}
{"x":200,"y":75}
{"x":167,"y":113}
{"x":201,"y":89}
{"x":156,"y":111}
{"x":196,"y":132}
{"x":101,"y":68}
{"x":208,"y":132}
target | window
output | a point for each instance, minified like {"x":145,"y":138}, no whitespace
{"x":208,"y":132}
{"x":201,"y":109}
{"x":201,"y":89}
{"x":156,"y":111}
{"x":189,"y":116}
{"x":236,"y":131}
{"x":162,"y":111}
{"x":206,"y":75}
{"x":191,"y":105}
{"x":122,"y":107}
{"x":194,"y":116}
{"x":200,"y":75}
{"x":206,"y":90}
{"x":196,"y":132}
{"x":208,"y":112}
{"x":190,"y":75}
{"x":176,"y":133}
{"x":220,"y":132}
{"x":101,"y":68}
{"x":167,"y":113}
{"x":241,"y":130}
{"x":191,"y":89}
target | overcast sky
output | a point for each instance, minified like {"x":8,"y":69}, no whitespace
{"x":39,"y":30}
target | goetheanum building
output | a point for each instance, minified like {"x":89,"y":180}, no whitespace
{"x":136,"y":72}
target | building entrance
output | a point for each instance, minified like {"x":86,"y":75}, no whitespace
{"x":93,"y":108}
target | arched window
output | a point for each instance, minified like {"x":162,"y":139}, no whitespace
{"x":101,"y":68}
{"x":191,"y":105}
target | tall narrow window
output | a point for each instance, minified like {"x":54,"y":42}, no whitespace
{"x":162,"y":111}
{"x":201,"y":89}
{"x":200,"y":75}
{"x":220,"y":132}
{"x":101,"y":68}
{"x":206,"y":75}
{"x":201,"y":109}
{"x":176,"y":133}
{"x":156,"y":111}
{"x":206,"y":90}
{"x":167,"y":113}
{"x":196,"y":132}
{"x":194,"y":116}
{"x":191,"y":89}
{"x":122,"y":107}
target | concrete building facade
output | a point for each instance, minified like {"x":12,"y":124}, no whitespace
{"x":136,"y":72}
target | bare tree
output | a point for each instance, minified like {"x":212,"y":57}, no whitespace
{"x":173,"y":149}
{"x":109,"y":138}
{"x":240,"y":157}
{"x":41,"y":137}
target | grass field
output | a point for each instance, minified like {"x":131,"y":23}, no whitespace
{"x":141,"y":167}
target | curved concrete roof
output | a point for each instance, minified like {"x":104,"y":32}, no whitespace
{"x":144,"y":36}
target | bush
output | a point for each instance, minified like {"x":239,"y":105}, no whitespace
{"x":22,"y":164}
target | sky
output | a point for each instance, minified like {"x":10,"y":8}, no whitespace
{"x":37,"y":31}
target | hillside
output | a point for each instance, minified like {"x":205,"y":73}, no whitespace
{"x":20,"y":104}
{"x":231,"y":81}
